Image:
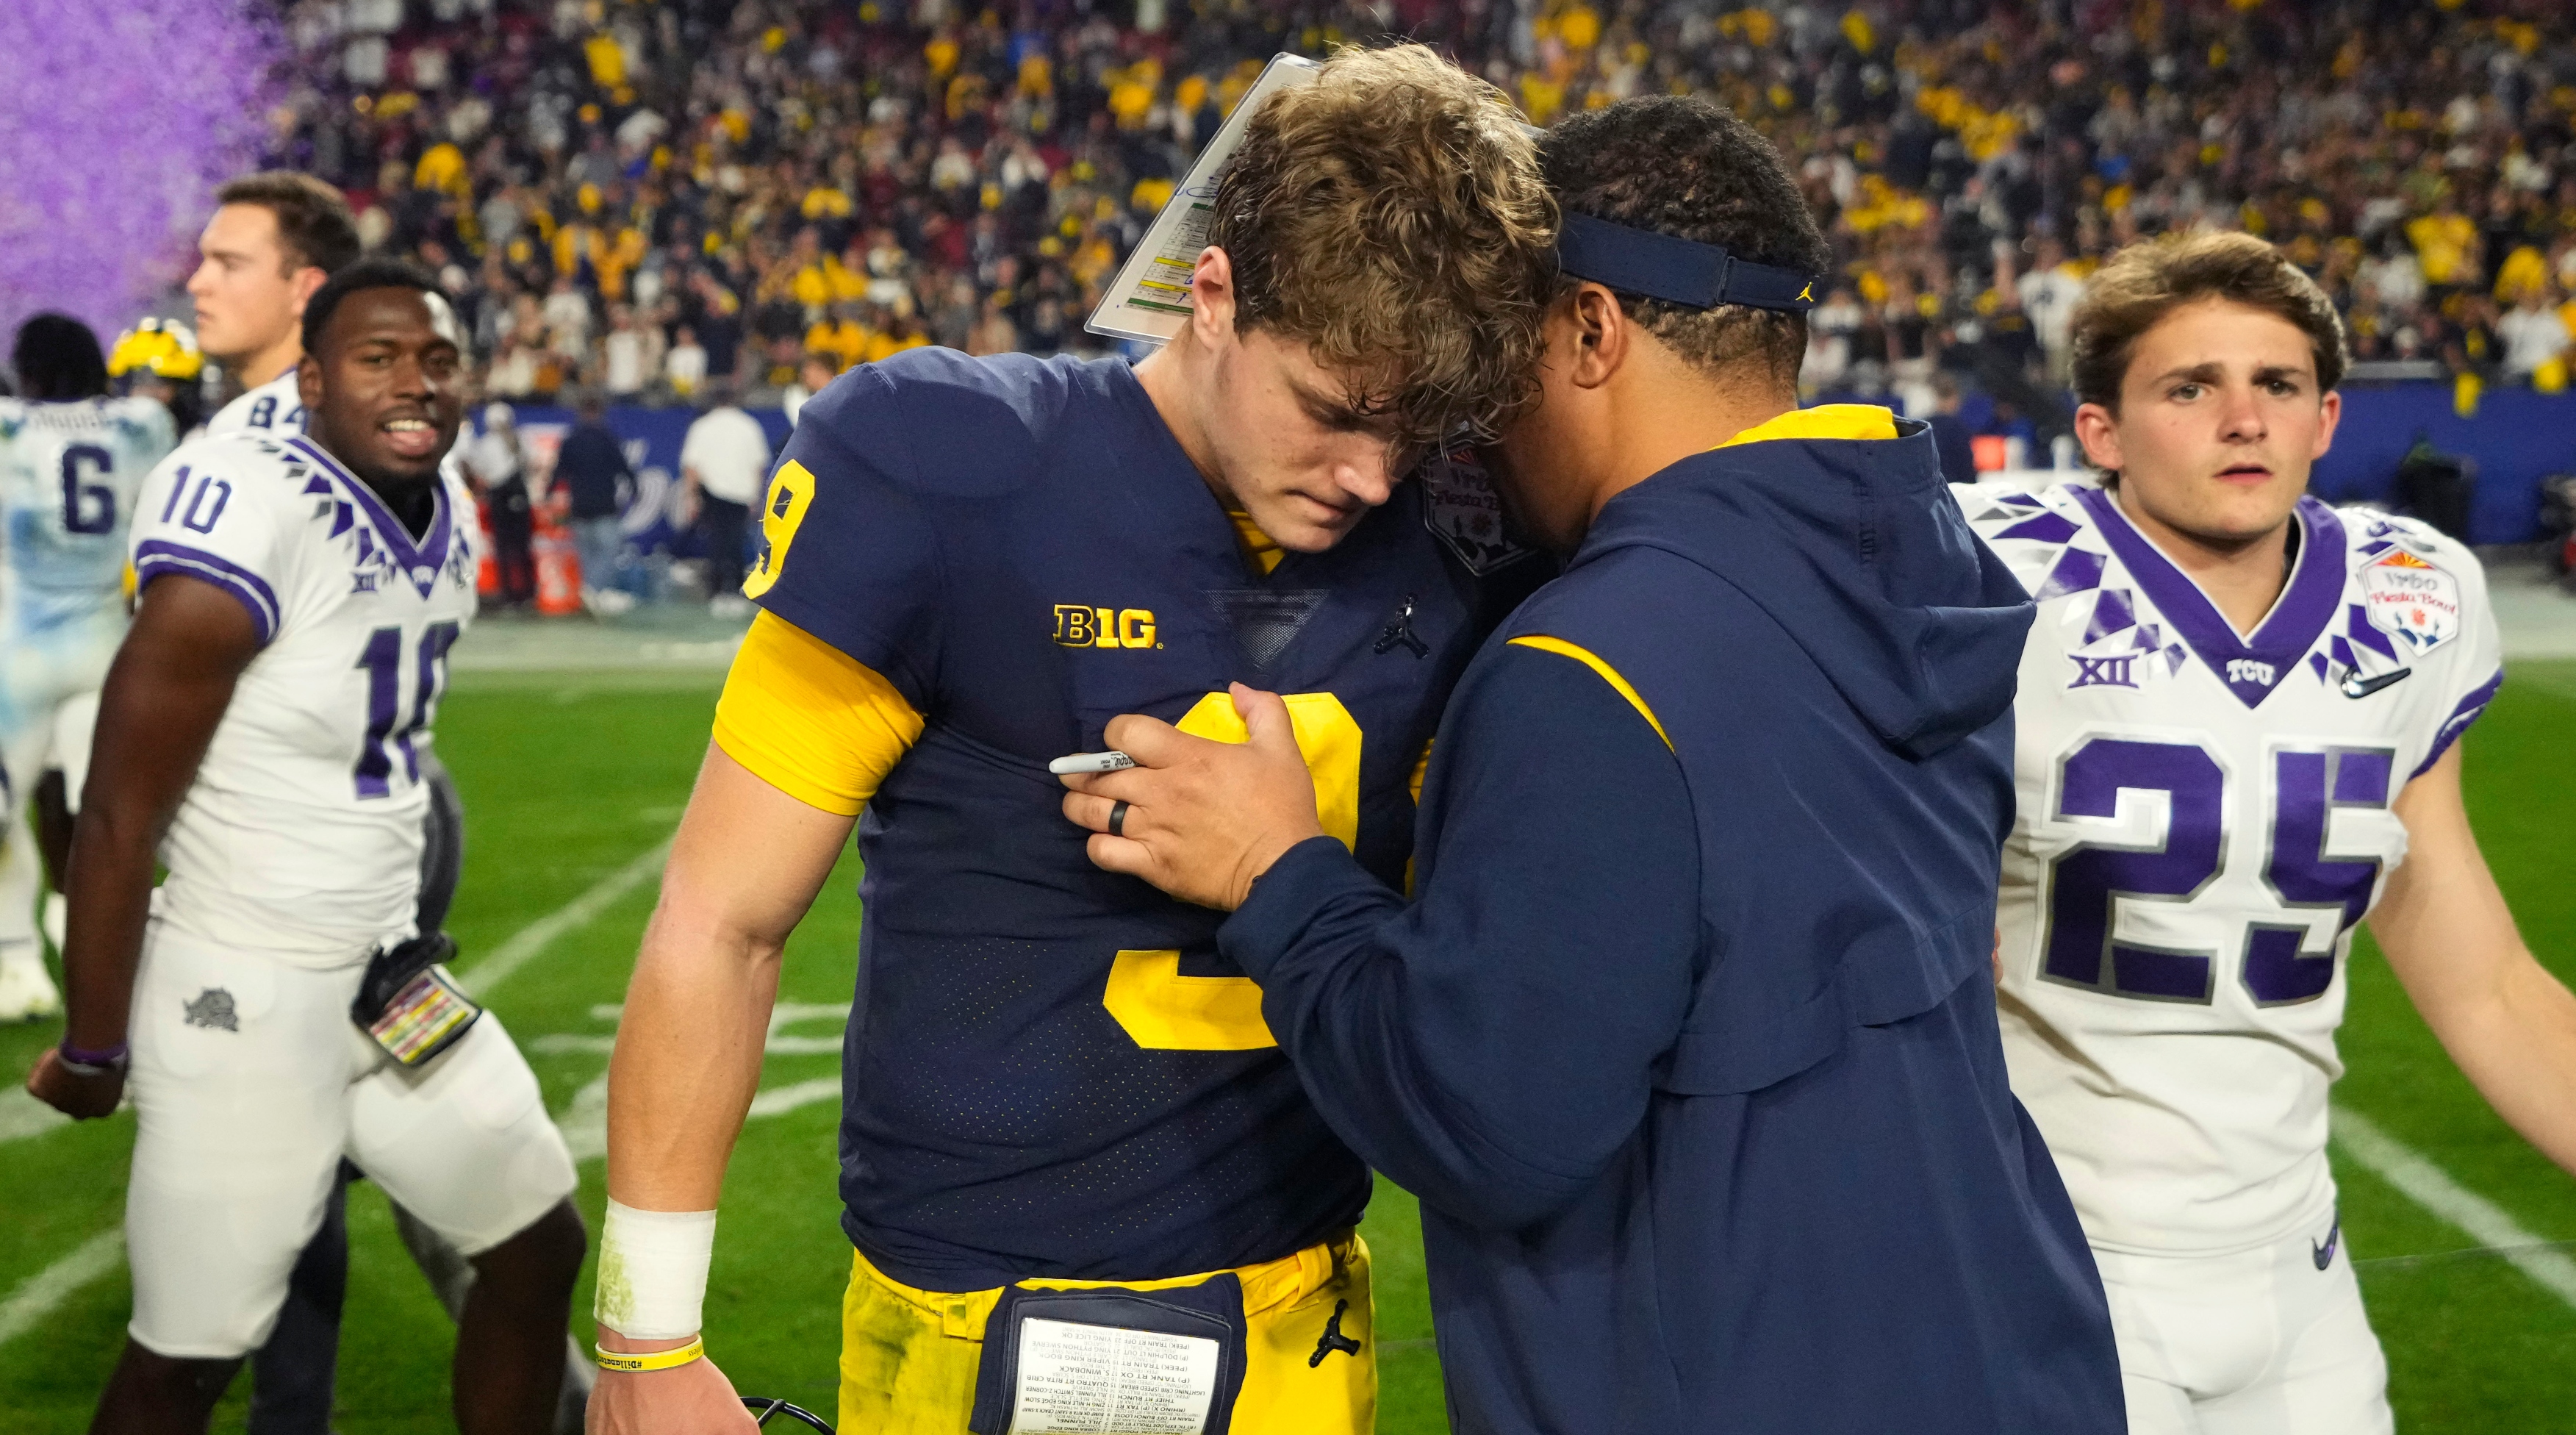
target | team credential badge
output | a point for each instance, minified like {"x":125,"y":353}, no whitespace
{"x":212,"y":1009}
{"x":2411,"y":600}
{"x":1460,"y":508}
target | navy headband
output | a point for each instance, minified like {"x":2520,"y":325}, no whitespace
{"x":1674,"y":269}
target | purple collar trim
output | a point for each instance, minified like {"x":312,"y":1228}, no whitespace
{"x":2250,"y":669}
{"x":430,"y":554}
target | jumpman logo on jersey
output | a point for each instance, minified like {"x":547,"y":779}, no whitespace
{"x":1400,"y":633}
{"x":1333,"y":1339}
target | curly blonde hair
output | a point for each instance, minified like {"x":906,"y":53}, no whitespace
{"x":1391,"y":216}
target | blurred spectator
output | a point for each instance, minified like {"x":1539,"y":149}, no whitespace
{"x":630,"y":355}
{"x":567,"y":318}
{"x":498,"y":466}
{"x":1830,"y":327}
{"x":1951,"y":437}
{"x":685,"y":367}
{"x":813,"y":374}
{"x":724,"y":461}
{"x":2048,"y":294}
{"x":994,"y":333}
{"x":592,"y":471}
{"x":2535,"y":337}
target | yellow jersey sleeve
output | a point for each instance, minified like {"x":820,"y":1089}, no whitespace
{"x":810,"y":720}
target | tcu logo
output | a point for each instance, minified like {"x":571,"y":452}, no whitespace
{"x":1080,"y":626}
{"x":2247,"y":670}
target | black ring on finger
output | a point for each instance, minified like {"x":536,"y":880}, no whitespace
{"x":1118,"y":819}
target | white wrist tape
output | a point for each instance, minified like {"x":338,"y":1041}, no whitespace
{"x":653,"y":1271}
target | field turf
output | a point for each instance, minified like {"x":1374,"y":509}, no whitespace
{"x":571,"y":779}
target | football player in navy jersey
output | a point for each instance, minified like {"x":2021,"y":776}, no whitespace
{"x":1069,"y":1143}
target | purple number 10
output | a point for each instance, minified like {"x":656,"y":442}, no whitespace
{"x":2087,"y":883}
{"x":382,"y":662}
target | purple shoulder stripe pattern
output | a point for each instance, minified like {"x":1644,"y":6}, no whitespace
{"x":156,"y":557}
{"x":2458,"y":722}
{"x":427,"y":556}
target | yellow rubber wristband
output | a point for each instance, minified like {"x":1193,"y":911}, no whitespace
{"x":656,"y":1360}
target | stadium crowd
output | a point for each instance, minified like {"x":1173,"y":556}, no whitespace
{"x":644,"y":198}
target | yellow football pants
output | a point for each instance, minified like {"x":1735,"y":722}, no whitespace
{"x":908,"y":1356}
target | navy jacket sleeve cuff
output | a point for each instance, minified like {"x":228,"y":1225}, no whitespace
{"x":1308,"y":880}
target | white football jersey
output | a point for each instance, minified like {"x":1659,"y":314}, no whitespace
{"x":302,"y":834}
{"x":2203,"y":819}
{"x":68,"y":476}
{"x":275,"y":407}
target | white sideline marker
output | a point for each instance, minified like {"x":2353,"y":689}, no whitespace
{"x":2432,"y":1188}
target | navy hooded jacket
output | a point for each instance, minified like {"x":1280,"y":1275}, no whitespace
{"x":1688,"y":1041}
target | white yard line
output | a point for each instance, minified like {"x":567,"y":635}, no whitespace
{"x":37,"y":1295}
{"x":779,"y":1100}
{"x":2432,"y":1188}
{"x":21,"y":1114}
{"x":585,"y":1121}
{"x":532,"y":939}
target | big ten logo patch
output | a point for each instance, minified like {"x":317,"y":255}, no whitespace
{"x":1081,"y":626}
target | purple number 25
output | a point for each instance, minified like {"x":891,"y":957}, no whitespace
{"x":2089,"y":881}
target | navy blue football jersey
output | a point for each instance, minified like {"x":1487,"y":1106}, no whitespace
{"x":1050,"y":1071}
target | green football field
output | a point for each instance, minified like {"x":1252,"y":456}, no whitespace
{"x":2463,"y":1235}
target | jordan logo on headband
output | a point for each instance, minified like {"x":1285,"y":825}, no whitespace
{"x":1674,"y":269}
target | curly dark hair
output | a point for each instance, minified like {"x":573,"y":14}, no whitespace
{"x":1390,"y":215}
{"x":1689,"y":167}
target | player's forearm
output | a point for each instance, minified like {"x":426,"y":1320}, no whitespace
{"x":110,"y":897}
{"x":688,"y":1059}
{"x":2517,"y":1045}
{"x":165,"y":694}
{"x":744,"y":866}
